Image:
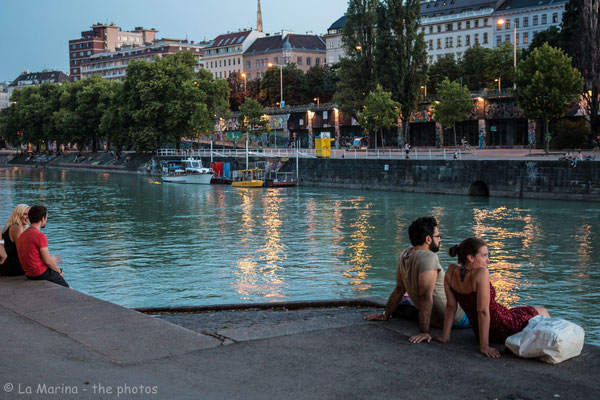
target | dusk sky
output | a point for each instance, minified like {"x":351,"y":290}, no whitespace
{"x":34,"y":34}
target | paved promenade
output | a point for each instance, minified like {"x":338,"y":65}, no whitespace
{"x":60,"y":344}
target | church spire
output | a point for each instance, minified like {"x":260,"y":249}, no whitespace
{"x":259,"y":19}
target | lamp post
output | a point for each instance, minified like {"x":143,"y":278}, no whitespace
{"x":424,"y":87}
{"x":501,"y":22}
{"x":317,"y":100}
{"x":245,"y":82}
{"x":270,"y":65}
{"x":499,"y":80}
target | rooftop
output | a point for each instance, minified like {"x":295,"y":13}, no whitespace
{"x":289,"y":41}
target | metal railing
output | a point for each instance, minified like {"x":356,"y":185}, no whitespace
{"x":385,"y":154}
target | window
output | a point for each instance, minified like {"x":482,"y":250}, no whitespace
{"x":498,"y":40}
{"x":430,"y":44}
{"x":74,"y":70}
{"x":299,"y":60}
{"x":230,"y":61}
{"x":439,"y":43}
{"x":476,"y":39}
{"x":220,"y":63}
{"x":544,"y":19}
{"x":535,"y":20}
{"x":317,"y":61}
{"x":276,"y":61}
{"x":459,"y":25}
{"x":439,"y":28}
{"x":485,"y":37}
{"x":430,"y":28}
{"x":308,"y":61}
{"x":73,"y":46}
{"x":468,"y":40}
{"x":476,"y":23}
{"x":516,"y":22}
{"x":525,"y":21}
{"x":448,"y":27}
{"x":507,"y":24}
{"x":468,"y":24}
{"x":458,"y":41}
{"x":239,"y":61}
{"x":74,"y":55}
{"x":525,"y":38}
{"x":485,"y":22}
{"x":257,"y":63}
{"x":554,"y":18}
{"x":248,"y":64}
{"x":507,"y":38}
{"x":81,"y":54}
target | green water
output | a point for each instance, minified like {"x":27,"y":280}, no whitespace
{"x":133,"y":241}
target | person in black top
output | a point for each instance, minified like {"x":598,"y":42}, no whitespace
{"x":16,"y":224}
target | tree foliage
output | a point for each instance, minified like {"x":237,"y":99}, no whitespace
{"x":546,"y":83}
{"x":445,"y":67}
{"x":454,"y":105}
{"x":380,"y":112}
{"x":252,"y":118}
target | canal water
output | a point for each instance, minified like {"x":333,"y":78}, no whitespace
{"x":136,"y":242}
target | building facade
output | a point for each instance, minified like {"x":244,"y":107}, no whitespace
{"x":305,"y":51}
{"x":223,"y":56}
{"x":112,"y":65}
{"x":333,"y":41}
{"x":452,"y":26}
{"x":523,"y":19}
{"x":104,"y":38}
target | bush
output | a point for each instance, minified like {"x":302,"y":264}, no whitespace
{"x":570,"y":134}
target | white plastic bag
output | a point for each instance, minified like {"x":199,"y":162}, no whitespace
{"x":552,"y":340}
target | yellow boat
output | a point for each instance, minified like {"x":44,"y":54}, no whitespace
{"x":248,"y":178}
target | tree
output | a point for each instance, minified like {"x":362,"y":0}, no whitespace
{"x":454,"y":105}
{"x":380,"y":112}
{"x":321,"y":82}
{"x":163,"y":101}
{"x":237,"y":89}
{"x":499,"y":63}
{"x":444,"y":67}
{"x":408,"y":51}
{"x":357,"y":69}
{"x":552,"y":36}
{"x":295,"y":90}
{"x":252,"y":118}
{"x":546,"y":83}
{"x":474,"y":67}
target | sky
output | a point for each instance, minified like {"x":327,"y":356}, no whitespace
{"x":35,"y":34}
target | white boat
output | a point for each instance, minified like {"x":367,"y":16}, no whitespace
{"x":189,"y":170}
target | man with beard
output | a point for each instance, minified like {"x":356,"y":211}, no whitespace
{"x":32,"y":248}
{"x":421,"y":275}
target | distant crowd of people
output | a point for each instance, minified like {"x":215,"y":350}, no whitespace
{"x":24,"y":248}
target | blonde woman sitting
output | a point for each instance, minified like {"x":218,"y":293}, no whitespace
{"x":16,"y":224}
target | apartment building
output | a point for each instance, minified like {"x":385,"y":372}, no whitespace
{"x":112,"y":65}
{"x":523,"y":19}
{"x":452,"y":26}
{"x":333,"y":41}
{"x":305,"y":51}
{"x":104,"y":38}
{"x":224,"y":54}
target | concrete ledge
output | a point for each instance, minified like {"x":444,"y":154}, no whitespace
{"x":117,"y":333}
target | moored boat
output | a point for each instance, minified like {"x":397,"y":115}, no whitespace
{"x":248,"y":178}
{"x":188,"y":171}
{"x":280,"y":179}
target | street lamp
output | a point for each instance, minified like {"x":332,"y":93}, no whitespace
{"x":425,"y":89}
{"x":270,"y":65}
{"x":501,"y":22}
{"x":317,"y":100}
{"x":244,"y":76}
{"x":499,"y":80}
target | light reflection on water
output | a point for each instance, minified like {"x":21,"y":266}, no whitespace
{"x":140,"y":243}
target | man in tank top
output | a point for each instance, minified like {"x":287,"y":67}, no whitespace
{"x":420,"y":274}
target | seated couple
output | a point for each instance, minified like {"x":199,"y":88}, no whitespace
{"x":440,"y":298}
{"x":26,"y":249}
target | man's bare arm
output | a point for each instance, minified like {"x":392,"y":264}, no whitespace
{"x":426,"y":285}
{"x":392,"y":302}
{"x":50,"y":261}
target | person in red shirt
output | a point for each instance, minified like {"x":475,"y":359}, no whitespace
{"x":32,"y":248}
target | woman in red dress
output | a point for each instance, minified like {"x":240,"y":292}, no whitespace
{"x":468,"y":283}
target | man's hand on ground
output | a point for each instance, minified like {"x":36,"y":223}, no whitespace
{"x":420,"y":338}
{"x":441,"y":339}
{"x":376,"y":317}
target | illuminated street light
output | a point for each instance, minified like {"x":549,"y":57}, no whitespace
{"x":501,"y":22}
{"x":270,"y":65}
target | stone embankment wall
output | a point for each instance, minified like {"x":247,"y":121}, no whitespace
{"x":503,"y":178}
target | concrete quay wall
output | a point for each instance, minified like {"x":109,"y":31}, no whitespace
{"x":501,"y":178}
